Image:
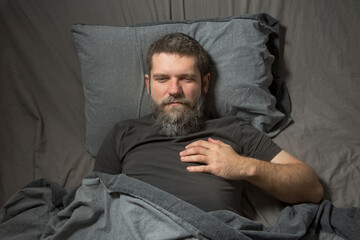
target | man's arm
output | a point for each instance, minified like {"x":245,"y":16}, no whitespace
{"x":285,"y":177}
{"x":107,"y":160}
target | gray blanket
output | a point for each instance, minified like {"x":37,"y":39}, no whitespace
{"x":119,"y":207}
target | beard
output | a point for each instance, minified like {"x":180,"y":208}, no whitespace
{"x":179,"y":120}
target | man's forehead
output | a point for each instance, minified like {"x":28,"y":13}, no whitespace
{"x":173,"y":54}
{"x":181,"y":75}
{"x":164,"y":63}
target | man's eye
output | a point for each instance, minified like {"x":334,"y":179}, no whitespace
{"x":161,"y":79}
{"x":189,"y":79}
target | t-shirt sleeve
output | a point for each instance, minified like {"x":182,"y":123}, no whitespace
{"x":258,"y":145}
{"x":107,"y":160}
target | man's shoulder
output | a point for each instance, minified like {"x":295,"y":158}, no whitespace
{"x":231,"y":125}
{"x":226,"y":122}
{"x":147,"y":119}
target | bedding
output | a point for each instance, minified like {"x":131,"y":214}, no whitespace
{"x":119,"y":207}
{"x":42,"y":102}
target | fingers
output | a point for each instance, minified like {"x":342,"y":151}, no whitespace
{"x":202,"y":152}
{"x":199,"y":143}
{"x":194,"y":151}
{"x":202,"y":168}
{"x":211,"y":140}
{"x":214,"y":140}
{"x":195,"y":159}
{"x":194,"y":154}
{"x":198,"y":151}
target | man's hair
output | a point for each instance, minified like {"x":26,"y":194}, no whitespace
{"x":182,"y":44}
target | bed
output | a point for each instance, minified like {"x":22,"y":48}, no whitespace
{"x":45,"y":104}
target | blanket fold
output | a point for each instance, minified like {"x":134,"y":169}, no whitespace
{"x":119,"y":207}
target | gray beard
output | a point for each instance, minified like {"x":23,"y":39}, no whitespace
{"x":179,"y":120}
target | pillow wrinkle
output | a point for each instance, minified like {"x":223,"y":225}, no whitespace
{"x":142,"y":69}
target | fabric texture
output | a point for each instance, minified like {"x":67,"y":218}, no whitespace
{"x":119,"y":207}
{"x":136,"y":148}
{"x":244,"y":51}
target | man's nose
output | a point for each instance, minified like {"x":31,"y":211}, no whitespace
{"x":175,"y":87}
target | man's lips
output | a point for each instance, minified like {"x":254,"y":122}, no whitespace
{"x":175,"y":103}
{"x":172,"y":102}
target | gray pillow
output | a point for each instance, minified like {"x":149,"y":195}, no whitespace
{"x":245,"y":80}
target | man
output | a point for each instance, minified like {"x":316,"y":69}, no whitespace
{"x":202,"y":161}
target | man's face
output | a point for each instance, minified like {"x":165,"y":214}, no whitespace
{"x":175,"y":81}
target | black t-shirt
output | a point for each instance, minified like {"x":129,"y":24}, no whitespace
{"x":136,"y":148}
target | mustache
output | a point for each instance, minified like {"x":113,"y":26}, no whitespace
{"x":172,"y":99}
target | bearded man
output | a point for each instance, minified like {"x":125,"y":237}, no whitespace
{"x":202,"y":161}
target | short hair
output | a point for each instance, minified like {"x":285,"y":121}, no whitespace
{"x":182,"y":44}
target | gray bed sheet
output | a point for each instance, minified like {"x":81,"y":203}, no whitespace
{"x":42,"y":123}
{"x":119,"y":207}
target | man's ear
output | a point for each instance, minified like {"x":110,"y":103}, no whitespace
{"x":147,"y":83}
{"x":206,"y":83}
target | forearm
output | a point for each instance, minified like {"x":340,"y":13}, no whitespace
{"x":285,"y":177}
{"x":291,"y":183}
